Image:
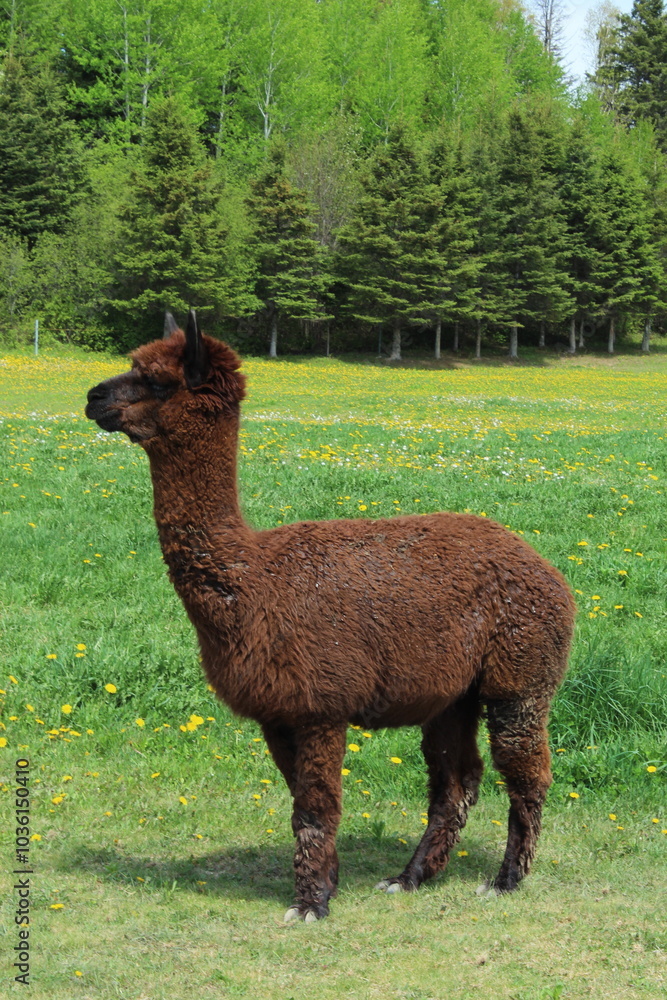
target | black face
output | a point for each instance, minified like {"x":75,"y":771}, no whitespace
{"x":127,"y":403}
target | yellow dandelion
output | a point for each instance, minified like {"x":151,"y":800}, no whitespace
{"x":496,"y":822}
{"x":396,"y":760}
{"x":155,"y":774}
{"x":651,"y":769}
{"x":66,"y":709}
{"x":574,"y":795}
{"x":108,"y":813}
{"x":353,"y":747}
{"x":51,"y":656}
{"x":57,"y":799}
{"x":57,"y":906}
{"x":182,"y":799}
{"x":140,"y":723}
{"x":256,"y":796}
{"x":13,"y":679}
{"x":3,"y":741}
{"x":366,"y":815}
{"x":612,"y":817}
{"x":638,"y":614}
{"x":110,"y":688}
{"x":67,"y":777}
{"x":36,"y":836}
{"x":81,"y":646}
{"x":462,"y":854}
{"x":344,"y":771}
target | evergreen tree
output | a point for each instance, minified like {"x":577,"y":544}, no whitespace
{"x":452,"y":268}
{"x":639,"y":60}
{"x":579,"y":192}
{"x":41,"y":170}
{"x":292,"y":279}
{"x":172,"y":248}
{"x":531,"y":232}
{"x":627,"y":271}
{"x":383,"y":251}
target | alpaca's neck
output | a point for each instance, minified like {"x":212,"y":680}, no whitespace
{"x":194,"y":481}
{"x":205,"y":542}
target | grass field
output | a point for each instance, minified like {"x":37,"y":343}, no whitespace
{"x":162,"y":842}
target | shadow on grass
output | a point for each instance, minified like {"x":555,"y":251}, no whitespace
{"x":241,"y":873}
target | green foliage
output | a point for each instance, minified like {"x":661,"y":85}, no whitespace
{"x":384,"y":250}
{"x":505,"y":225}
{"x":171,"y":251}
{"x":291,"y":270}
{"x":41,"y":175}
{"x":639,"y":63}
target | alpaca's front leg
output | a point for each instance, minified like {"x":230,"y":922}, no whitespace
{"x":317,"y":792}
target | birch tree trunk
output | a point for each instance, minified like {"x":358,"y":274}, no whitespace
{"x":612,"y":334}
{"x":542,"y":334}
{"x":646,"y":339}
{"x":438,"y":334}
{"x":573,"y":336}
{"x":126,"y":65}
{"x":514,"y":342}
{"x":145,"y":87}
{"x":396,"y":342}
{"x":273,"y":348}
{"x":581,"y":334}
{"x":478,"y":340}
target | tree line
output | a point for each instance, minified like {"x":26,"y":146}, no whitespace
{"x":328,"y":176}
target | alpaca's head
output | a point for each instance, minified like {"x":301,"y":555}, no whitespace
{"x":174,"y":384}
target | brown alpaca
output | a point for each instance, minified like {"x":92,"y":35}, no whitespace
{"x":408,"y":621}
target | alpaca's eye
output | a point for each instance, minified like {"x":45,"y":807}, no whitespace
{"x":158,"y":389}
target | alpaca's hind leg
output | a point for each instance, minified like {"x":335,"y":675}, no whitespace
{"x":282,"y":744}
{"x":455,"y":769}
{"x":317,"y":807}
{"x":520,"y":751}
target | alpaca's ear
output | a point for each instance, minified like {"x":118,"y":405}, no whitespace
{"x":195,"y":360}
{"x":170,"y":325}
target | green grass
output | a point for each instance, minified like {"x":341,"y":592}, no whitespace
{"x":565,"y":453}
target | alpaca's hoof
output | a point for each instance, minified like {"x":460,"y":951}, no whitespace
{"x":389,"y":887}
{"x":309,"y":917}
{"x":488,"y":890}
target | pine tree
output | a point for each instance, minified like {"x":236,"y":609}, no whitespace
{"x":640,"y":62}
{"x":531,"y":232}
{"x":41,"y":171}
{"x":627,"y":269}
{"x":383,"y":251}
{"x":580,"y":193}
{"x":172,"y":249}
{"x":292,"y":279}
{"x":452,"y":268}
